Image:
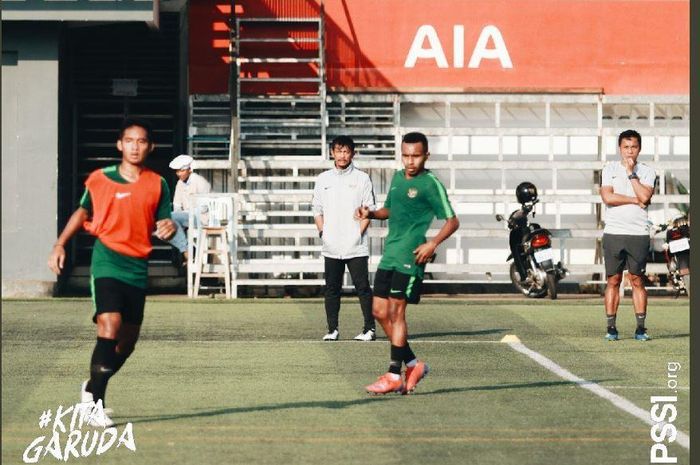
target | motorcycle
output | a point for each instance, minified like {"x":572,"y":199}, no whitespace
{"x":533,"y":271}
{"x":677,"y":253}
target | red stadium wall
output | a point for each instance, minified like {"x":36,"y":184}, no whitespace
{"x":610,"y":46}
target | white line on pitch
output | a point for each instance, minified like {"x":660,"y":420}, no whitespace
{"x":658,"y":388}
{"x":307,"y":341}
{"x":620,"y":402}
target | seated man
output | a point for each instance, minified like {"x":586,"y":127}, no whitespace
{"x":188,"y":183}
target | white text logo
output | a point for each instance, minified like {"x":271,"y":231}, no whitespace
{"x":435,"y":52}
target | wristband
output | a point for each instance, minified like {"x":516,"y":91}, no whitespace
{"x":320,"y":233}
{"x":633,"y":176}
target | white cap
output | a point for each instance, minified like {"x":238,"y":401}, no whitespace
{"x":181,"y":162}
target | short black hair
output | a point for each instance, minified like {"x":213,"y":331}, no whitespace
{"x":343,"y":141}
{"x":629,"y":134}
{"x":129,"y":122}
{"x":414,"y":138}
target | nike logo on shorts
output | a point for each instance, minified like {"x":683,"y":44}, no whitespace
{"x":121,"y":195}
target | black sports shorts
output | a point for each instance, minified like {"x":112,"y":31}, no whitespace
{"x":622,"y":249}
{"x":391,"y":283}
{"x":113,"y":295}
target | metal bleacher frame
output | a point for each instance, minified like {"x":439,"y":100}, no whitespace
{"x":277,"y":244}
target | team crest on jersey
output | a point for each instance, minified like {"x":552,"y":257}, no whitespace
{"x":412,"y":193}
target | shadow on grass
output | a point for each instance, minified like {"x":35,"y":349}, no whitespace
{"x":336,"y":404}
{"x":324,"y":404}
{"x":539,"y":384}
{"x":482,"y":332}
{"x":671,"y":336}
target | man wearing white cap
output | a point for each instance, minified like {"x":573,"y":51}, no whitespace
{"x":188,"y":183}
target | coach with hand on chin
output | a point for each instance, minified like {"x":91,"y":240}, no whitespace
{"x":626,"y":190}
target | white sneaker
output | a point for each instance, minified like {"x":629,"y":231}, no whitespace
{"x":333,"y":336}
{"x":97,"y":416}
{"x":369,"y":335}
{"x":85,"y":397}
{"x":99,"y":421}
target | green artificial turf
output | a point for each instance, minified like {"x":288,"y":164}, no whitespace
{"x":249,"y":382}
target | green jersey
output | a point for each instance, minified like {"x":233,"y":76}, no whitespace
{"x":108,"y":263}
{"x":413,"y":203}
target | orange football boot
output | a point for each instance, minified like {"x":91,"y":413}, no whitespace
{"x":385,"y":384}
{"x":414,"y":374}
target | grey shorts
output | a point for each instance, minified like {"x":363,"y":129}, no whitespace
{"x":622,"y":249}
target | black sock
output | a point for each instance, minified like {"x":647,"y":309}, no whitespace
{"x":641,"y":318}
{"x":408,"y":354}
{"x":102,"y":367}
{"x":119,"y":360}
{"x":611,"y":320}
{"x":396,"y":360}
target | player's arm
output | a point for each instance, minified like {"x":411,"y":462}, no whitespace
{"x":57,"y":257}
{"x":426,"y":250}
{"x":165,"y":226}
{"x":642,"y":191}
{"x":364,"y":213}
{"x":611,"y":199}
{"x":368,"y":200}
{"x":317,"y":206}
{"x":364,"y":224}
{"x":318,"y":219}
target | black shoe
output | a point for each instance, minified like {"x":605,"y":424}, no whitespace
{"x":641,"y":334}
{"x":612,"y":334}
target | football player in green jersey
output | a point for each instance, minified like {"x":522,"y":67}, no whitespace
{"x":415,"y":197}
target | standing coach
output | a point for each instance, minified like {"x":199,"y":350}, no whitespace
{"x":626,"y":190}
{"x":338,"y":192}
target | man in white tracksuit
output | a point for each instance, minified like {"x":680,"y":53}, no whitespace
{"x":337,"y":194}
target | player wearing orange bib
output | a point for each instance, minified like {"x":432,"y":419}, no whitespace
{"x":121,"y":206}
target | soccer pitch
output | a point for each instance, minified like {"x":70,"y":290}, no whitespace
{"x":250,"y":382}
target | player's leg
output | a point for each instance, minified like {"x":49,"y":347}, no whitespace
{"x":380,"y":300}
{"x":405,"y":289}
{"x":612,"y":301}
{"x":615,"y":258}
{"x":103,"y":358}
{"x":132,"y":318}
{"x":179,"y":240}
{"x":360,"y":277}
{"x":333,"y":272}
{"x":108,"y":299}
{"x":128,"y":335}
{"x":391,"y":380}
{"x":637,"y":248}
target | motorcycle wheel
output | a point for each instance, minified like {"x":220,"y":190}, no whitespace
{"x":552,"y":286}
{"x":523,"y":286}
{"x":686,"y":283}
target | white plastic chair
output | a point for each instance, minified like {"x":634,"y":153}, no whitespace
{"x":211,"y":232}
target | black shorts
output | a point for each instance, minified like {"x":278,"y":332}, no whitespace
{"x":391,"y":283}
{"x":622,"y":249}
{"x":113,"y":295}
